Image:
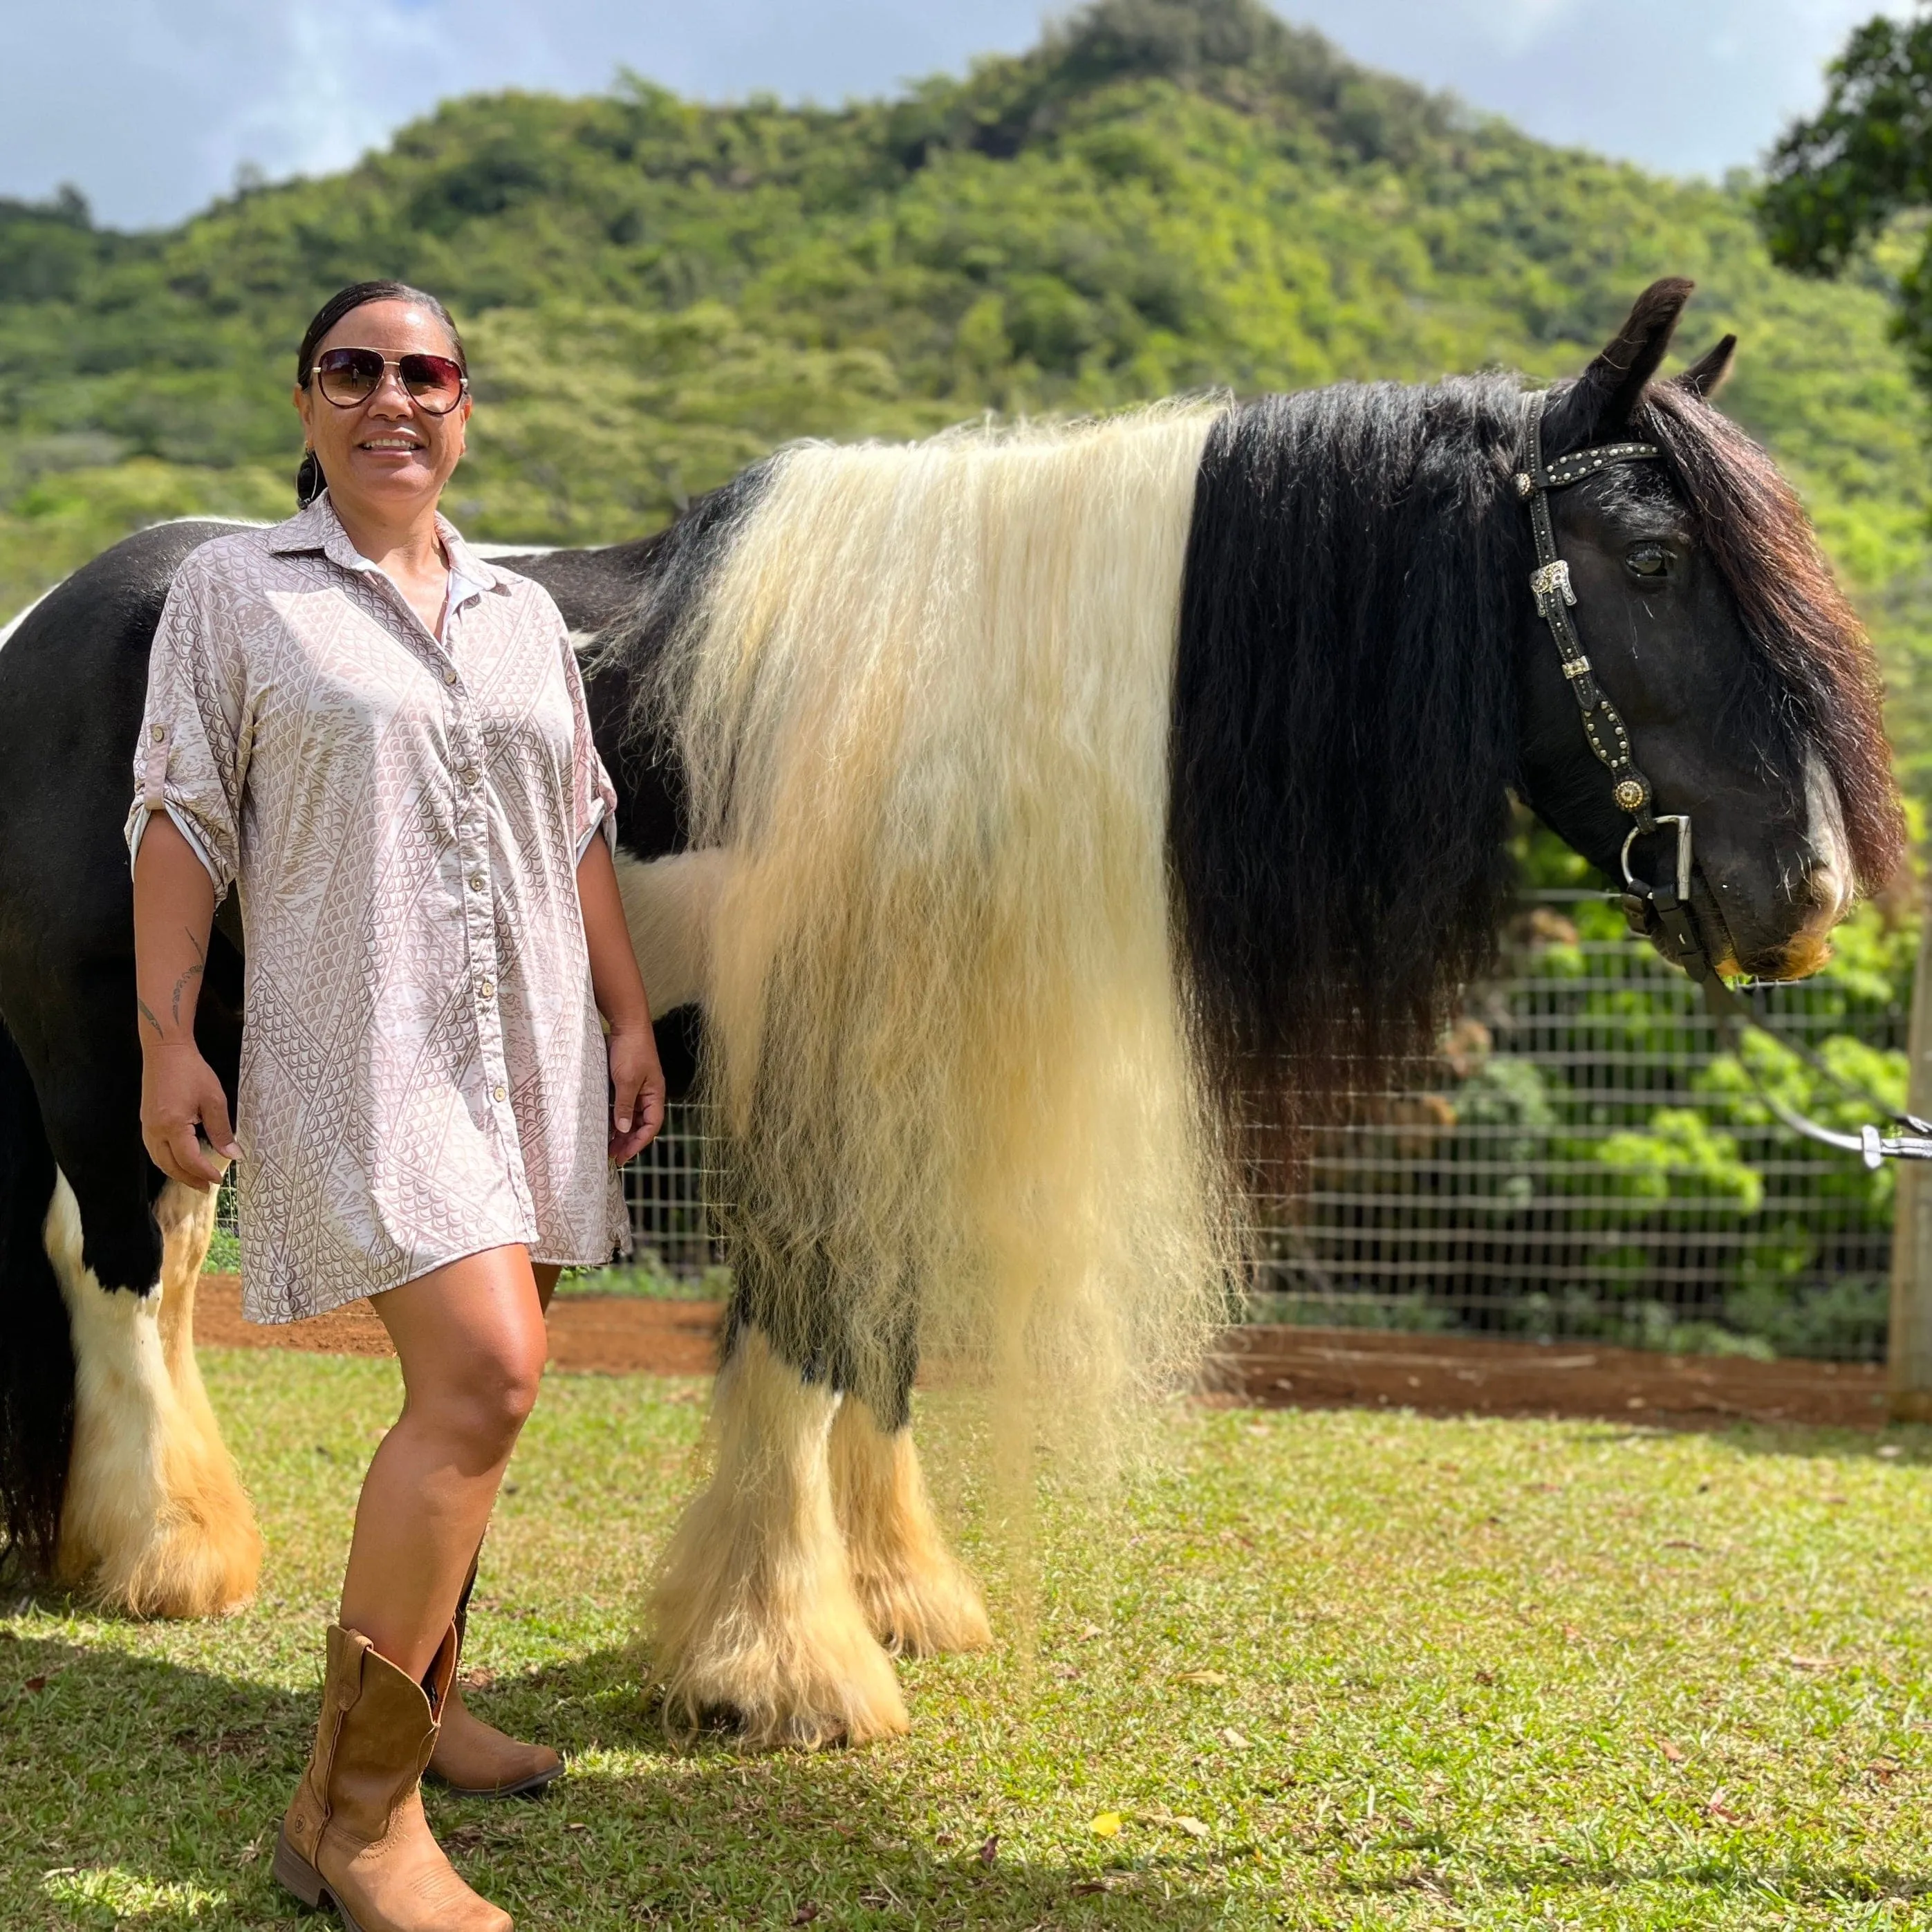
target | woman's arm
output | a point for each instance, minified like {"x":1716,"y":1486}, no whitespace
{"x":174,"y":907}
{"x":637,"y":1079}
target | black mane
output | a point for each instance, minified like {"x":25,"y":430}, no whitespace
{"x":1344,"y":735}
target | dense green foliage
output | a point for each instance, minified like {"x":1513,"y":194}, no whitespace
{"x":1845,"y":176}
{"x":1166,"y":194}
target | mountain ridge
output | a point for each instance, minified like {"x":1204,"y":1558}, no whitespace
{"x":1161,"y":196}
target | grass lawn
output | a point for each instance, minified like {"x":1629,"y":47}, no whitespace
{"x":1329,"y":1670}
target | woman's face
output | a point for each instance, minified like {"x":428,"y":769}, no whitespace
{"x":387,"y":456}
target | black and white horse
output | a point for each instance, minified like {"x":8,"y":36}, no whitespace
{"x":1006,"y":803}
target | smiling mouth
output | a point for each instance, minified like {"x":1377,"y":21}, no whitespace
{"x":388,"y":445}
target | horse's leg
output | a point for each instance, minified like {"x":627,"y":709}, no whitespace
{"x":154,"y":1521}
{"x":912,"y":1590}
{"x":915,"y":1594}
{"x":753,"y":1613}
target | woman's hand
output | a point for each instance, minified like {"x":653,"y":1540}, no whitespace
{"x":637,"y":1078}
{"x":174,"y":905}
{"x":636,"y":1090}
{"x":179,"y":1092}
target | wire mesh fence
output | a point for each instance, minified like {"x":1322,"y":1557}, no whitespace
{"x":1579,"y":1161}
{"x":665,"y":1189}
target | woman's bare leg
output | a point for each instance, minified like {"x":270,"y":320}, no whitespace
{"x":471,"y":1340}
{"x":472,"y":1756}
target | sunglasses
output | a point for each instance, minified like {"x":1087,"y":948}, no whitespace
{"x":349,"y":376}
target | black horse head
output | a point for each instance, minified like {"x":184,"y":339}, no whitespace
{"x":1713,"y":625}
{"x":1364,"y":679}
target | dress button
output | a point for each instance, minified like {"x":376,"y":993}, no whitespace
{"x":468,"y":775}
{"x":500,"y":1091}
{"x":487,"y":989}
{"x":476,"y":882}
{"x":449,"y":676}
{"x":161,"y":732}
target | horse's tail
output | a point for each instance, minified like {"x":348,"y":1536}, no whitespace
{"x":36,"y":1368}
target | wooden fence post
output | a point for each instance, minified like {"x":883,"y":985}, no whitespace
{"x":1909,"y":1345}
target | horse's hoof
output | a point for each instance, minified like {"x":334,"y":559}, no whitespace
{"x":928,"y":1611}
{"x":837,"y":1692}
{"x":915,"y":1597}
{"x":201,"y":1558}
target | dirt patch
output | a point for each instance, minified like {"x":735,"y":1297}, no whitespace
{"x":1272,"y":1367}
{"x":1323,"y":1368}
{"x":615,"y":1335}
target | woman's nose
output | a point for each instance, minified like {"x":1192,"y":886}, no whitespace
{"x":390,"y":391}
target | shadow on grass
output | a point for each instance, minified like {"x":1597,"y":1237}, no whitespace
{"x":133,"y":1788}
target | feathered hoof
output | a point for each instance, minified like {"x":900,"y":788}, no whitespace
{"x":915,"y":1595}
{"x":201,"y":1556}
{"x":798,"y":1690}
{"x":925,"y":1611}
{"x":752,"y":1615}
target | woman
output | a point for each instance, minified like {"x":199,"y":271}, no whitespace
{"x":380,"y":741}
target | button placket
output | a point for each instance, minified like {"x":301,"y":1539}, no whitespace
{"x":472,"y":845}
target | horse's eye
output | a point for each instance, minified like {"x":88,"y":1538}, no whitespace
{"x":1649,"y":559}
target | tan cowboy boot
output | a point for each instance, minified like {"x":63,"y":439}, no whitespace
{"x":476,"y":1759}
{"x":355,"y":1836}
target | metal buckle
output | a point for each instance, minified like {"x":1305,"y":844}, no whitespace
{"x":1681,"y":820}
{"x":1549,"y":578}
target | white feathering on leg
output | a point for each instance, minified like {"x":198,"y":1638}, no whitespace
{"x":915,"y":1596}
{"x":155,"y":1521}
{"x":752,"y":1613}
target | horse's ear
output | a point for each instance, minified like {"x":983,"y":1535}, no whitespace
{"x":1705,"y":375}
{"x":1598,"y":404}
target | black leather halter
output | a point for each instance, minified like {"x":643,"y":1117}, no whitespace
{"x":1603,"y":723}
{"x":1610,"y":740}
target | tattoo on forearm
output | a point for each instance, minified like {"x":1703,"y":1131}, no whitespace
{"x":189,"y":973}
{"x":147,"y":1014}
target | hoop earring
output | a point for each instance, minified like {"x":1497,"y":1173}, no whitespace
{"x":309,"y":481}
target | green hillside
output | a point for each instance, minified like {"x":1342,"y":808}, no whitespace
{"x":1166,"y":194}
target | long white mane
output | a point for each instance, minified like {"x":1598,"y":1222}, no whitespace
{"x":925,"y":709}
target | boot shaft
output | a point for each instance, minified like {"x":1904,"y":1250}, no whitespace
{"x":374,"y":1737}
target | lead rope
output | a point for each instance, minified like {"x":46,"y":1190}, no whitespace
{"x":1609,"y":739}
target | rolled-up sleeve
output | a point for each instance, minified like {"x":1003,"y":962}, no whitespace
{"x":192,"y":756}
{"x":593,"y":798}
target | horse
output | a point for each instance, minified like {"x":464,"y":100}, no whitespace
{"x":1020,"y":832}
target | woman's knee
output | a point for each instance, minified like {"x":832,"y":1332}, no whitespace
{"x":484,"y":1399}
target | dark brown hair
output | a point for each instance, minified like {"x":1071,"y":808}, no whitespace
{"x":1750,"y":519}
{"x":309,"y":481}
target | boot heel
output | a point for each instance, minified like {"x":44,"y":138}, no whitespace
{"x":294,"y":1873}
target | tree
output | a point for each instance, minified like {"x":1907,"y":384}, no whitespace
{"x":1837,"y":181}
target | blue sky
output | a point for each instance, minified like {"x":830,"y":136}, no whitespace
{"x":150,"y":107}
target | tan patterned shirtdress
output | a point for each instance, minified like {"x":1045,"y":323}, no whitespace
{"x":423,"y":1071}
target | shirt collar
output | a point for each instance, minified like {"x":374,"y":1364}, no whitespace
{"x":317,"y":527}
